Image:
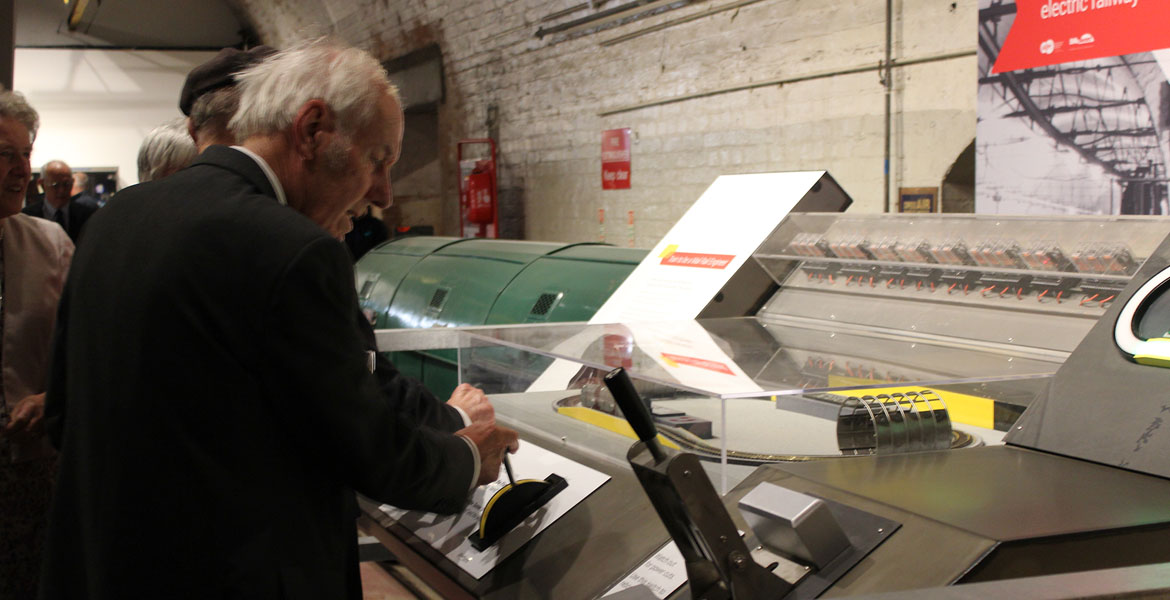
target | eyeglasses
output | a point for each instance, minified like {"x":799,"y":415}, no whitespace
{"x":59,"y":184}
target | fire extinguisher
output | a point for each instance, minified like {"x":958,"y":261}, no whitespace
{"x":479,"y":205}
{"x":477,"y":192}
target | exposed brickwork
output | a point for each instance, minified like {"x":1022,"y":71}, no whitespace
{"x":550,"y":93}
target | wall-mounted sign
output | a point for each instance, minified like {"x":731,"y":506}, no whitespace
{"x":917,"y":200}
{"x":1049,"y":32}
{"x":615,"y":159}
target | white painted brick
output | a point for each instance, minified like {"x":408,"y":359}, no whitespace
{"x":549,"y":96}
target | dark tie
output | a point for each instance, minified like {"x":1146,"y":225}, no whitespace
{"x":59,"y":217}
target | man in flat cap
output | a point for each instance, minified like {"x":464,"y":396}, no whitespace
{"x":212,"y":405}
{"x":210,"y":98}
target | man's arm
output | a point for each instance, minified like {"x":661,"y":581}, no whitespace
{"x":407,"y":395}
{"x":324,"y":396}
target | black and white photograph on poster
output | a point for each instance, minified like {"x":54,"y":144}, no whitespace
{"x":1086,"y":137}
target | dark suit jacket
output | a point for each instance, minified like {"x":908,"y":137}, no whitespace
{"x":79,"y":213}
{"x":406,"y":395}
{"x":211,"y":400}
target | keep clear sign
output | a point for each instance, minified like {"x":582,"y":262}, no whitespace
{"x":615,"y":159}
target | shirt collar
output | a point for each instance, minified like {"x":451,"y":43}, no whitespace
{"x":268,"y":172}
{"x":51,"y":211}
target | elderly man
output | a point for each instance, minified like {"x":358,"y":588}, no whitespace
{"x":212,"y":404}
{"x":210,"y":98}
{"x":57,"y":206}
{"x":34,"y":258}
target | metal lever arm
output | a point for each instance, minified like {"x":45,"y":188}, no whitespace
{"x":635,"y":410}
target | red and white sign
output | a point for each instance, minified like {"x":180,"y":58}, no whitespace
{"x":1049,"y":32}
{"x":615,"y":159}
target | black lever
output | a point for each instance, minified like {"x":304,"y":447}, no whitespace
{"x":635,"y":410}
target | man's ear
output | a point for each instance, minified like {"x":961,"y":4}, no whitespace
{"x":312,"y":123}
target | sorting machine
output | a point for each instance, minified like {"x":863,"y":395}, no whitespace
{"x":919,"y":402}
{"x":425,"y":282}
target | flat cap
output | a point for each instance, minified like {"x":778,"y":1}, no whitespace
{"x":219,"y":72}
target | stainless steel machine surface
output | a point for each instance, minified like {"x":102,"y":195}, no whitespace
{"x":880,"y":376}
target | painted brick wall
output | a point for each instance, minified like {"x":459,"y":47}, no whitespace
{"x":553,"y":97}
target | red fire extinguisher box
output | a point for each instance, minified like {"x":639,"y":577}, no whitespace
{"x":478,"y":205}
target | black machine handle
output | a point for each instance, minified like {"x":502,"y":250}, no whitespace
{"x":636,"y":412}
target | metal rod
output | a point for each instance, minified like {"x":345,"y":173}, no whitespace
{"x":679,"y":21}
{"x":508,"y":469}
{"x":605,"y":16}
{"x":888,"y":80}
{"x":784,"y":81}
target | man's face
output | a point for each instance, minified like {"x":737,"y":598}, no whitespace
{"x":15,"y":170}
{"x":355,"y":174}
{"x":57,"y":179}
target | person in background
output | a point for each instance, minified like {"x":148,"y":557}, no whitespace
{"x":34,"y":259}
{"x":80,"y":192}
{"x":57,"y":205}
{"x":209,"y":97}
{"x":213,"y":405}
{"x":165,"y":150}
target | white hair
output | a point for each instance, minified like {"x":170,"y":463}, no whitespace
{"x":166,"y":149}
{"x":348,"y":80}
{"x":14,"y":106}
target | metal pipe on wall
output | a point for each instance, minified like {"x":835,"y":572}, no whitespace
{"x":888,"y":80}
{"x":878,"y":66}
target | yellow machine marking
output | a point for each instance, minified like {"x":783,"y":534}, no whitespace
{"x":1151,"y":360}
{"x":609,"y":422}
{"x":1154,"y":360}
{"x":963,"y":408}
{"x":500,"y":492}
{"x":667,"y":251}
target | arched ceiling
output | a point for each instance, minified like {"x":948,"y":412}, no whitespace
{"x":186,"y":24}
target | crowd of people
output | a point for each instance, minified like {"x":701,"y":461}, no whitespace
{"x":190,"y":394}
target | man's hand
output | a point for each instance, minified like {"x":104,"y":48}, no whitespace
{"x":26,"y":420}
{"x":492,"y":442}
{"x":473,"y":402}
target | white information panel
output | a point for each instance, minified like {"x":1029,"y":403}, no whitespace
{"x":662,"y":573}
{"x":692,"y":262}
{"x":448,"y":534}
{"x":689,"y":354}
{"x":697,"y":257}
{"x":684,"y":351}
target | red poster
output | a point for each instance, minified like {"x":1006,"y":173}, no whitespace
{"x":1049,"y":32}
{"x":615,"y":159}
